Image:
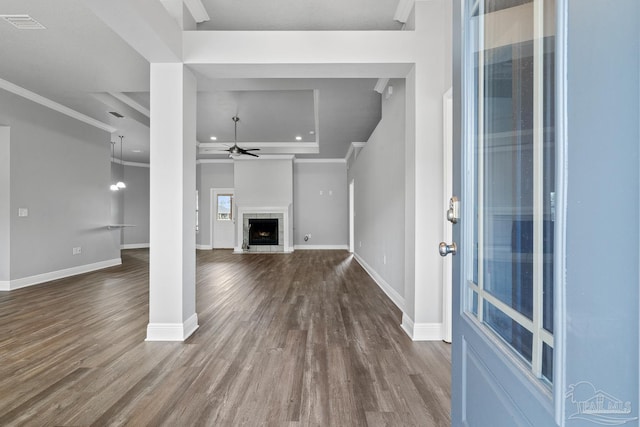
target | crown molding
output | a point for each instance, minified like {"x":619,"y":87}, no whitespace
{"x":352,"y":148}
{"x":136,"y":164}
{"x":319,"y":160}
{"x":271,"y":147}
{"x":131,"y":103}
{"x":403,"y":10}
{"x":197,"y":10}
{"x":349,"y":152}
{"x":46,"y":102}
{"x":125,"y":163}
{"x":212,"y":161}
{"x":263,"y":157}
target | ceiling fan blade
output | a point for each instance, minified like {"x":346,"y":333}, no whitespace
{"x":250,"y":154}
{"x":251,"y":149}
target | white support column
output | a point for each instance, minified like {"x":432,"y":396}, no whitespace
{"x":172,"y":315}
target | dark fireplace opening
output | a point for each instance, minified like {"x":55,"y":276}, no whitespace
{"x":263,"y":231}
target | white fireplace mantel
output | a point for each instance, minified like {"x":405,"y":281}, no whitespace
{"x":241,"y":211}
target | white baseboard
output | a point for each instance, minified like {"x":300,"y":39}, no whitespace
{"x":321,"y":247}
{"x":421,"y":331}
{"x":397,"y":299}
{"x":172,"y":331}
{"x":135,"y":246}
{"x":204,"y":247}
{"x":55,"y":275}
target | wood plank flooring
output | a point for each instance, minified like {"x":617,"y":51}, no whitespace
{"x":303,"y":339}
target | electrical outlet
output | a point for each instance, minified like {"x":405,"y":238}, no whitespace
{"x":360,"y":243}
{"x":77,"y":250}
{"x":384,"y":259}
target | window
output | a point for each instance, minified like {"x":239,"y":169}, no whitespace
{"x":510,"y":286}
{"x":224,"y":205}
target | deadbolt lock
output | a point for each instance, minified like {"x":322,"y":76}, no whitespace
{"x":453,"y":213}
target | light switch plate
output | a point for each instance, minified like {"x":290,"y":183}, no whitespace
{"x":23,"y":212}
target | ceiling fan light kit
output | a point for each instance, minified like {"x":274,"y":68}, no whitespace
{"x":234,"y":150}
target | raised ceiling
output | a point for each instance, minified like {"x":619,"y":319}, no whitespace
{"x":79,"y":62}
{"x":307,"y":15}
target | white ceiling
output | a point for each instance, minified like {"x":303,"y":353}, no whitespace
{"x":79,"y":62}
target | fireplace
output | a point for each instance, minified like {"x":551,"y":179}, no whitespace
{"x":281,"y":238}
{"x":263,"y":231}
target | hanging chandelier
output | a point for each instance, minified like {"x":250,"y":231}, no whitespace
{"x":120,"y":184}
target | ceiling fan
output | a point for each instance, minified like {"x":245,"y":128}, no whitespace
{"x":234,"y":150}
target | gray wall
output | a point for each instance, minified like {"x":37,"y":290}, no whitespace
{"x":379,"y":176}
{"x":210,"y":175}
{"x":325,"y":216}
{"x":5,"y":205}
{"x":136,"y":205}
{"x":59,"y":171}
{"x":264,"y":182}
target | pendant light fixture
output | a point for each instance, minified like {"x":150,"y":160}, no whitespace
{"x":113,"y":187}
{"x":120,"y":184}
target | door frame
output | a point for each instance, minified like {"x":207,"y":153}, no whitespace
{"x":447,"y":227}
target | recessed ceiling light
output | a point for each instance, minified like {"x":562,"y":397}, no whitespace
{"x":214,"y":138}
{"x":136,"y":151}
{"x":312,"y":132}
{"x":298,"y":138}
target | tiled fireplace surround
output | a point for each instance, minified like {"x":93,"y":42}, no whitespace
{"x":246,"y":213}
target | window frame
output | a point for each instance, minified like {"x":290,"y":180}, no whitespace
{"x":230,"y":196}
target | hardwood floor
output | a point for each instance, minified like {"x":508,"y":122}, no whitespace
{"x":304,"y":339}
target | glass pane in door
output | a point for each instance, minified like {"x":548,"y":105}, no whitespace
{"x":513,"y":184}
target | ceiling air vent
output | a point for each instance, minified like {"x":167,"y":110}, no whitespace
{"x":116,"y":114}
{"x":23,"y":22}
